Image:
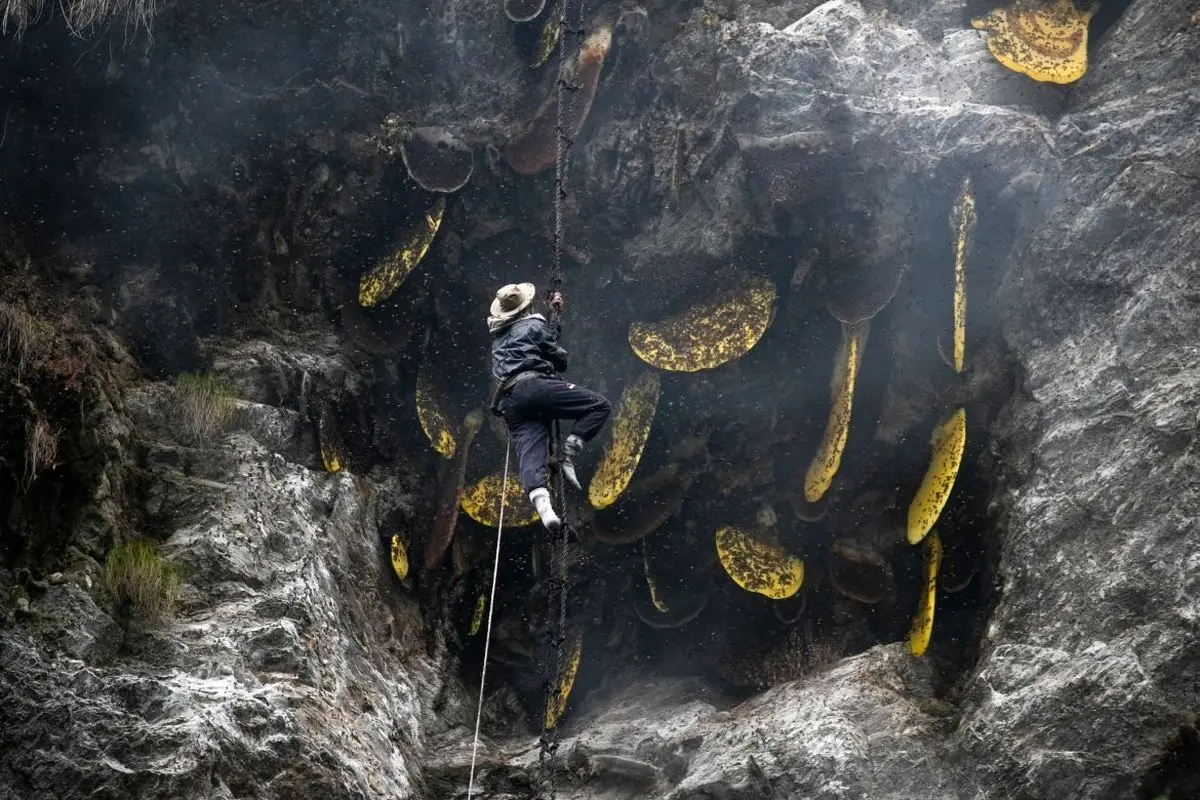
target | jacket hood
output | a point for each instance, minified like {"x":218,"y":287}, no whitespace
{"x":499,"y":324}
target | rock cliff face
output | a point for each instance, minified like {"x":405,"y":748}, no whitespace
{"x":232,"y":182}
{"x":294,"y":667}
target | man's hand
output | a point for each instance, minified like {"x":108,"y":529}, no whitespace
{"x":556,"y":302}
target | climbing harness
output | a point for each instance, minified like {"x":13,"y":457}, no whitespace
{"x":547,"y":742}
{"x":487,"y":640}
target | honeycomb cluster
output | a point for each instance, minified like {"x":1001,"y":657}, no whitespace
{"x":1045,"y":41}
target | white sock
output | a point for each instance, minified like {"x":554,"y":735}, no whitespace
{"x":540,"y":497}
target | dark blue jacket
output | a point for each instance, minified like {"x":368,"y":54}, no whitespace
{"x":529,"y":344}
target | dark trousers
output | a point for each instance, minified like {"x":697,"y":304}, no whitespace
{"x":530,"y":408}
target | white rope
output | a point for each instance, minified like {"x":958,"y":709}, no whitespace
{"x":487,"y":641}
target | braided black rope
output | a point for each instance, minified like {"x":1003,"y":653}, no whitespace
{"x":548,"y":742}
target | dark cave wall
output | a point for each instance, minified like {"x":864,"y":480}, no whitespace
{"x":228,"y":181}
{"x":233,"y":184}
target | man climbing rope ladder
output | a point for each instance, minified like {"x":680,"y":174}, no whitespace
{"x":526,"y":358}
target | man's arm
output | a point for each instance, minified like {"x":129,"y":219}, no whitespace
{"x":551,"y":349}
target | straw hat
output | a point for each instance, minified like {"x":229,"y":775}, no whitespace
{"x":510,"y":301}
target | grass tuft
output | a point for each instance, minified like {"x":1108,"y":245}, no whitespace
{"x":41,"y":449}
{"x":141,"y":583}
{"x":22,"y":336}
{"x":81,"y":15}
{"x":207,"y":403}
{"x":18,"y":14}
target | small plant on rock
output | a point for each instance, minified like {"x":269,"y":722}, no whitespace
{"x":141,"y":584}
{"x":207,"y":404}
{"x":22,"y":336}
{"x":80,"y":15}
{"x":41,"y":449}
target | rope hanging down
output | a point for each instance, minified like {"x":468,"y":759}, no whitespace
{"x":548,"y":744}
{"x":562,"y":144}
{"x":558,"y":583}
{"x":487,"y":637}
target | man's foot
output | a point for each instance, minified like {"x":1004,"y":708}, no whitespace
{"x":571,"y":448}
{"x":540,"y":498}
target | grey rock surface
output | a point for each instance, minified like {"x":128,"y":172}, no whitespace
{"x":1086,"y":676}
{"x":295,"y":665}
{"x":868,"y":727}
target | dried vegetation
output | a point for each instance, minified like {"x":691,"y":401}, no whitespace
{"x":80,"y":15}
{"x":206,"y":405}
{"x":27,"y":350}
{"x":41,"y":449}
{"x":23,"y":337}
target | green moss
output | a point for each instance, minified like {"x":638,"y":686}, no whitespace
{"x":140,"y":583}
{"x":207,"y":403}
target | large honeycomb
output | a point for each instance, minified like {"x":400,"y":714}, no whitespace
{"x":1046,"y":41}
{"x":825,"y":463}
{"x":557,"y":703}
{"x":387,"y":275}
{"x":630,"y":430}
{"x":922,"y":627}
{"x":710,"y":334}
{"x":434,"y":422}
{"x":482,"y":503}
{"x":759,"y":567}
{"x":962,"y":221}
